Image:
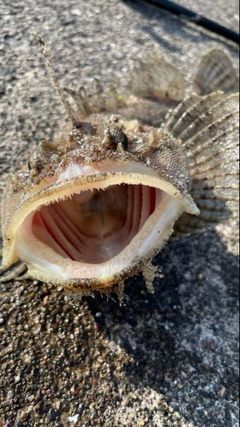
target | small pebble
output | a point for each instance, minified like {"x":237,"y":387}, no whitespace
{"x":74,"y":391}
{"x":52,"y":415}
{"x":10,"y":394}
{"x":74,"y":418}
{"x":98,"y":314}
{"x":17,"y":379}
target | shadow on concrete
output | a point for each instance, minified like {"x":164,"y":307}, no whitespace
{"x":177,"y":337}
{"x":173,"y":25}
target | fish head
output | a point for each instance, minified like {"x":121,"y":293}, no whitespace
{"x":96,"y":204}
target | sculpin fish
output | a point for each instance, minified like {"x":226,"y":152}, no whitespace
{"x":130,"y":171}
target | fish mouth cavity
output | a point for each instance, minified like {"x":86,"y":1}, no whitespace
{"x":94,"y":226}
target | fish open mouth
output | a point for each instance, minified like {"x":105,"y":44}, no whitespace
{"x":91,"y":223}
{"x":95,"y":226}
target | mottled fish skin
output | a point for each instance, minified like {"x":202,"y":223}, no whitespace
{"x":173,"y":150}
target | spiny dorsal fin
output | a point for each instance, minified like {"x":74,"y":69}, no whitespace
{"x":70,"y":112}
{"x":215,"y":72}
{"x":153,"y":88}
{"x":153,"y":77}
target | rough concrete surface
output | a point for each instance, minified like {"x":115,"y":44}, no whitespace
{"x":163,"y":359}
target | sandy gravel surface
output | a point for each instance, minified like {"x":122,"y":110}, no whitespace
{"x":164,"y":359}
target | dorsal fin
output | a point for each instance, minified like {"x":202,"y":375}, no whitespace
{"x":70,"y":112}
{"x":215,"y":72}
{"x":153,"y":77}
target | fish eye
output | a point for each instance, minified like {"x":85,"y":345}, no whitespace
{"x":118,"y":137}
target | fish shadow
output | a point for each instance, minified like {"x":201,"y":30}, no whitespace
{"x":179,"y":339}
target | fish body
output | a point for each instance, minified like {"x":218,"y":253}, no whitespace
{"x":100,"y":201}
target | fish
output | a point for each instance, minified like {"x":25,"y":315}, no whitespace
{"x":127,"y":173}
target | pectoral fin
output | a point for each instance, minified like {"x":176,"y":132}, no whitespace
{"x":208,"y":129}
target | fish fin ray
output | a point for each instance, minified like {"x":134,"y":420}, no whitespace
{"x":94,"y":99}
{"x":153,"y":77}
{"x":215,"y":72}
{"x":208,"y":130}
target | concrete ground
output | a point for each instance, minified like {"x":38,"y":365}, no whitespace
{"x":163,"y":359}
